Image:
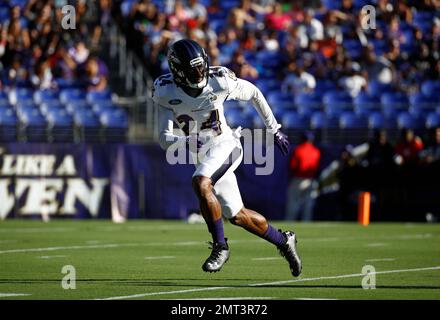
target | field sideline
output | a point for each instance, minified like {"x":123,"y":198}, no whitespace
{"x":162,"y":260}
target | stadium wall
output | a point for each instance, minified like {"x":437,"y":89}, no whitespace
{"x":120,"y":181}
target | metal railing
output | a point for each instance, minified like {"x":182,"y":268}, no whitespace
{"x":132,"y":86}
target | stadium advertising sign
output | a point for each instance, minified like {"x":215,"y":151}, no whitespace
{"x":47,"y":184}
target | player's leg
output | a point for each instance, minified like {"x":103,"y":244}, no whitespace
{"x":228,"y":194}
{"x":220,"y":159}
{"x":210,"y":207}
{"x":285,"y":241}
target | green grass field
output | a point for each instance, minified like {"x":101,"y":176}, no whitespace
{"x":162,"y":260}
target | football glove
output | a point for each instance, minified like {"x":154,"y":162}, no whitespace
{"x":282,"y":142}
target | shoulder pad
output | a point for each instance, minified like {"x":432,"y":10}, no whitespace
{"x":160,"y":84}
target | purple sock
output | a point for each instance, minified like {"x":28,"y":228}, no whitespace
{"x":216,"y":230}
{"x":274,"y":236}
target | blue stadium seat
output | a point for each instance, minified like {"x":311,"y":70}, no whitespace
{"x":4,"y":104}
{"x":293,"y":120}
{"x":70,"y":95}
{"x":325,"y":85}
{"x":430,"y":87}
{"x":20,"y":94}
{"x":33,"y":125}
{"x":406,"y":121}
{"x":115,"y":125}
{"x":332,"y":4}
{"x":258,"y":122}
{"x":25,"y":106}
{"x":48,"y":107}
{"x":277,"y":98}
{"x":338,"y":99}
{"x":79,"y":105}
{"x":103,"y":106}
{"x":236,"y":117}
{"x":424,"y":101}
{"x":8,"y":125}
{"x":4,"y":14}
{"x":62,"y":84}
{"x":350,"y":120}
{"x":93,"y":97}
{"x":334,"y":110}
{"x":309,"y":99}
{"x":280,"y":110}
{"x":60,"y":126}
{"x":306,"y":110}
{"x":88,"y":125}
{"x":432,"y":120}
{"x":394,"y":99}
{"x":267,"y":85}
{"x":41,"y":96}
{"x":376,"y":88}
{"x":268,"y":59}
{"x":319,"y":120}
{"x":376,"y":120}
{"x":365,"y":104}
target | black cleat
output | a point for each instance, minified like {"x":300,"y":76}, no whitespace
{"x":288,"y":251}
{"x":219,"y":256}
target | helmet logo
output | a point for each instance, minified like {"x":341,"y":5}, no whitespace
{"x":196,"y":61}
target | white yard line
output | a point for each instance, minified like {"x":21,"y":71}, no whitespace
{"x":191,"y":243}
{"x":7,"y":295}
{"x":315,"y":299}
{"x":354,"y":275}
{"x":382,"y":259}
{"x":32,"y":230}
{"x":98,"y":246}
{"x":159,"y":257}
{"x":119,"y":245}
{"x":376,"y":244}
{"x":50,"y":257}
{"x":229,"y":298}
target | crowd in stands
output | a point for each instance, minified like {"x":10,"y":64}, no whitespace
{"x":307,"y":54}
{"x":36,"y":51}
{"x":324,"y":41}
{"x":54,"y":83}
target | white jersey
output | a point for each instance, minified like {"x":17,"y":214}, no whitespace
{"x":204,"y":114}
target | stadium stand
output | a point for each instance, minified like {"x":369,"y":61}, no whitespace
{"x":375,"y":73}
{"x":51,"y":76}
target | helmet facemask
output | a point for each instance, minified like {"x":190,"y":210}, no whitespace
{"x":195,"y":75}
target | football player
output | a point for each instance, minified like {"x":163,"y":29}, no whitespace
{"x":192,"y":96}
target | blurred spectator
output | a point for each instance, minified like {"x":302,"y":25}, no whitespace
{"x":353,"y":81}
{"x":310,"y":29}
{"x":298,"y":80}
{"x":431,"y":154}
{"x":96,"y":74}
{"x":408,"y":148}
{"x":380,"y":151}
{"x":277,"y":19}
{"x":303,"y":169}
{"x":377,"y":68}
{"x":194,"y":10}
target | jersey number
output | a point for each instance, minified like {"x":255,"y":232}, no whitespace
{"x":213,"y":122}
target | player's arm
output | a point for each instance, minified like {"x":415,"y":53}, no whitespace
{"x":167,"y":135}
{"x":243,"y":90}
